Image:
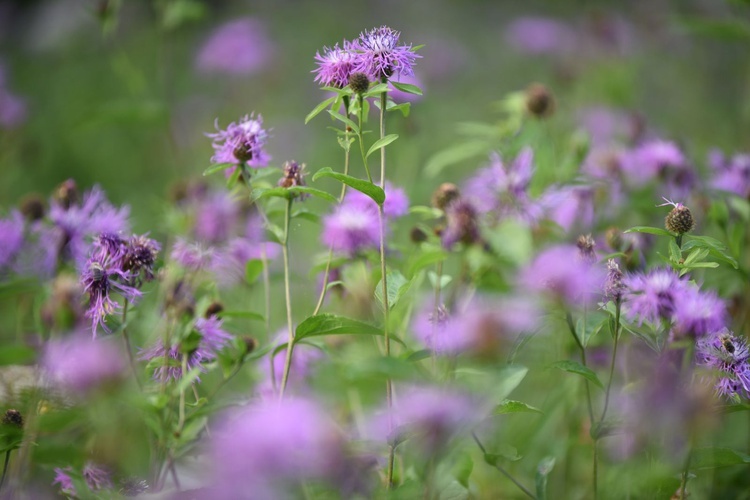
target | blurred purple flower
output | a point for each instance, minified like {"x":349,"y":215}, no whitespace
{"x":540,"y":35}
{"x":381,"y":56}
{"x":570,"y":206}
{"x":213,"y":337}
{"x":240,"y":47}
{"x":606,"y":125}
{"x":503,"y":192}
{"x":398,"y":96}
{"x":172,"y":367}
{"x":335,"y":65}
{"x":38,"y":255}
{"x":242,"y":141}
{"x":396,"y":202}
{"x":62,"y":477}
{"x":12,"y":236}
{"x":304,"y":360}
{"x":614,"y":288}
{"x":351,"y":228}
{"x":697,"y":313}
{"x":216,"y":217}
{"x":730,"y":174}
{"x":272,"y":446}
{"x":727,"y":354}
{"x":560,"y":271}
{"x":101,"y":277}
{"x":192,"y":256}
{"x":662,"y":160}
{"x":653,"y":296}
{"x":461,"y":224}
{"x":79,"y":363}
{"x":12,"y":109}
{"x":97,"y":477}
{"x":229,"y":262}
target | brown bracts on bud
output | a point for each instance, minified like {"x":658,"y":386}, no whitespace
{"x":293,"y":175}
{"x":243,"y":152}
{"x":32,"y":207}
{"x":417,"y":235}
{"x":359,"y":82}
{"x":586,"y":246}
{"x":679,"y":220}
{"x":539,"y":101}
{"x":66,"y":194}
{"x":213,"y":309}
{"x":250,"y":343}
{"x":13,"y":418}
{"x":444,"y":195}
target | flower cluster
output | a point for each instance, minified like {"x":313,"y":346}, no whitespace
{"x":729,"y":356}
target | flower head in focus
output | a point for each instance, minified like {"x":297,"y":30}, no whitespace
{"x":381,"y":55}
{"x":243,"y":141}
{"x":336,"y":65}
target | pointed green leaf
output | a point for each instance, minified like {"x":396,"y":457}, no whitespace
{"x":217,"y":168}
{"x":404,"y":107}
{"x":408,"y":88}
{"x":253,"y":269}
{"x":330,"y":324}
{"x":579,"y":369}
{"x":366,"y":187}
{"x":320,"y":107}
{"x":649,"y":230}
{"x":511,"y":406}
{"x":344,"y":120}
{"x":397,"y":286}
{"x":708,"y":458}
{"x":381,"y":143}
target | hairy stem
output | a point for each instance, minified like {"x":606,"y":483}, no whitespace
{"x":290,"y":342}
{"x":128,"y":347}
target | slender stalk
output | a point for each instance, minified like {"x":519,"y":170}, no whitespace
{"x":5,"y":468}
{"x":290,"y":342}
{"x":266,"y":287}
{"x":181,"y":421}
{"x":361,"y":119}
{"x":686,"y":473}
{"x":503,"y":471}
{"x":436,"y":309}
{"x":612,"y":364}
{"x":128,"y":347}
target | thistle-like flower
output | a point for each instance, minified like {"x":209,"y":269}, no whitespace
{"x":103,"y":276}
{"x":336,"y":65}
{"x":140,"y":257}
{"x":293,"y":176}
{"x":381,"y":56}
{"x":614,"y":288}
{"x":729,"y":355}
{"x":241,"y":142}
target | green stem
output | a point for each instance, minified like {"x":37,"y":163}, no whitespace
{"x":686,"y":473}
{"x":361,"y":119}
{"x":5,"y":468}
{"x":290,"y":342}
{"x":612,"y":364}
{"x":128,"y":347}
{"x":266,"y":287}
{"x":436,"y":309}
{"x":503,"y":471}
{"x":181,"y":421}
{"x":678,"y":240}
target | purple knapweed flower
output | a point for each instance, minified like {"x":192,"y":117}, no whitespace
{"x":607,"y":125}
{"x":240,"y":47}
{"x":729,"y":355}
{"x":662,"y":160}
{"x":213,"y":337}
{"x":614,"y":288}
{"x":79,"y":363}
{"x":336,"y":65}
{"x":62,"y":477}
{"x":216,"y":217}
{"x":570,"y":206}
{"x":730,"y":174}
{"x":562,"y":272}
{"x":171,"y":369}
{"x":12,"y":237}
{"x":100,"y":278}
{"x":540,"y":35}
{"x":653,"y":296}
{"x":192,"y":256}
{"x":503,"y":192}
{"x":351,"y":229}
{"x":97,"y":477}
{"x":272,"y":446}
{"x":461,"y":224}
{"x":697,"y":313}
{"x":229,"y":262}
{"x":241,"y":142}
{"x":381,"y":56}
{"x":140,"y":257}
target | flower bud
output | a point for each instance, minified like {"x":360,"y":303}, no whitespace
{"x":679,"y":220}
{"x":444,"y":195}
{"x":539,"y":101}
{"x":213,"y":309}
{"x":586,"y":246}
{"x":32,"y":207}
{"x":14,"y":418}
{"x":243,"y":152}
{"x":66,"y":194}
{"x":417,"y":236}
{"x":359,"y":82}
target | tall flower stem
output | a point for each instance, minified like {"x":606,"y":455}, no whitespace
{"x":128,"y":347}
{"x":290,"y":341}
{"x":572,"y":328}
{"x":327,"y":272}
{"x":384,"y":281}
{"x":5,"y":468}
{"x":612,"y":363}
{"x":502,"y":470}
{"x":360,"y":122}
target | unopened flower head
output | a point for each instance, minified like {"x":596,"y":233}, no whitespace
{"x":381,"y":55}
{"x":680,"y":219}
{"x":293,"y":177}
{"x":614,"y":288}
{"x":243,"y":141}
{"x":461,"y":224}
{"x":586,"y":245}
{"x":336,"y":65}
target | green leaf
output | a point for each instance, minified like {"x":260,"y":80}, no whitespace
{"x":242,"y":314}
{"x":462,"y":468}
{"x":674,"y":251}
{"x":709,"y":458}
{"x":344,"y":120}
{"x":314,"y":192}
{"x":366,"y":187}
{"x":376,"y":90}
{"x":579,"y":369}
{"x":253,"y":269}
{"x":426,"y":212}
{"x":192,"y":429}
{"x":426,"y":259}
{"x":444,"y":280}
{"x":397,"y":286}
{"x":320,"y":107}
{"x":331,"y":324}
{"x":511,"y":406}
{"x":217,"y":168}
{"x":502,"y":452}
{"x":404,"y":107}
{"x":697,"y":255}
{"x":542,"y":473}
{"x":381,"y":143}
{"x":291,"y":192}
{"x":419,"y":355}
{"x":649,"y":230}
{"x":715,"y":248}
{"x":408,"y":88}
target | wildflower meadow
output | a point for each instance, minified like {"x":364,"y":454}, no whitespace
{"x":437,"y":250}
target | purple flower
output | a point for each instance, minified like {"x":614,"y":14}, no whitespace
{"x":241,"y":142}
{"x":62,"y":477}
{"x":428,"y":416}
{"x":503,"y":192}
{"x":381,"y":56}
{"x":12,"y":109}
{"x":229,"y":263}
{"x":171,"y":369}
{"x":351,"y":228}
{"x":570,"y":206}
{"x":698,"y":313}
{"x":38,"y":255}
{"x":12,"y":237}
{"x":80,"y":364}
{"x":335,"y":65}
{"x":304,"y":359}
{"x":97,"y":477}
{"x":216,"y":217}
{"x":727,"y":354}
{"x":540,"y":35}
{"x":653,"y":296}
{"x":461,"y":224}
{"x":101,"y":277}
{"x":663,"y":160}
{"x":240,"y":47}
{"x":561,"y":271}
{"x":140,"y":257}
{"x":730,"y":174}
{"x":192,"y":256}
{"x":614,"y":288}
{"x":273,"y":445}
{"x":606,"y":125}
{"x":213,"y":337}
{"x":396,"y":202}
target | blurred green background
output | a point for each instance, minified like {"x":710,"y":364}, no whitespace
{"x":114,"y":97}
